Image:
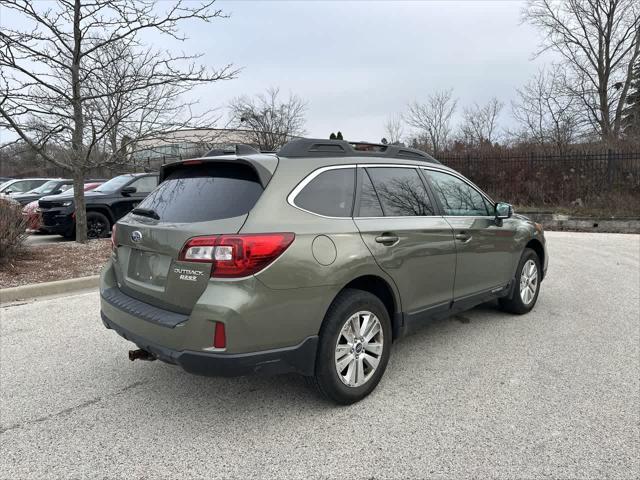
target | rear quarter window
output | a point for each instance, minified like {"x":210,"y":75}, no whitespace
{"x":330,"y":193}
{"x":200,"y":193}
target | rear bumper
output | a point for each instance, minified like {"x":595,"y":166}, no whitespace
{"x":297,"y":359}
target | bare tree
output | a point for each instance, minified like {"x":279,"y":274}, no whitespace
{"x":394,"y":129}
{"x":136,"y":115}
{"x":432,"y":119}
{"x":546,"y":112}
{"x":598,"y":41}
{"x":57,"y":73}
{"x":480,"y":123}
{"x":270,"y":121}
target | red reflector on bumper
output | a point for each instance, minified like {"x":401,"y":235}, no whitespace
{"x":219,"y":336}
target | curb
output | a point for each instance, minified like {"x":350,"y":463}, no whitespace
{"x":36,"y":290}
{"x":574,"y":223}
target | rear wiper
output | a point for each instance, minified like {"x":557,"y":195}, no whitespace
{"x":146,"y":212}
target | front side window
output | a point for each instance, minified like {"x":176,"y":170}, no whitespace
{"x":458,"y":198}
{"x":330,"y":193}
{"x":401,"y":192}
{"x":145,"y":184}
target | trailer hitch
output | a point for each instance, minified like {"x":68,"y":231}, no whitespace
{"x":141,"y":355}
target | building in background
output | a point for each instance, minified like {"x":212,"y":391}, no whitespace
{"x":181,"y":144}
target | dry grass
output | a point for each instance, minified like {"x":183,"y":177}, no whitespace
{"x":45,"y":263}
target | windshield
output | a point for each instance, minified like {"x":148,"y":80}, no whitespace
{"x":14,"y":186}
{"x":114,"y":184}
{"x":46,"y":187}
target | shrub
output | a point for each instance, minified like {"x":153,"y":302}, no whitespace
{"x":13,"y":226}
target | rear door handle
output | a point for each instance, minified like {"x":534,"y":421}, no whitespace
{"x":463,"y":237}
{"x":387,"y":239}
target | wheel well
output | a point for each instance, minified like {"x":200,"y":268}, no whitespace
{"x":104,"y":211}
{"x":381,"y":289}
{"x":537,"y":247}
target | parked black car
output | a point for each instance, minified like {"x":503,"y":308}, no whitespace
{"x":105,"y":205}
{"x":54,"y":186}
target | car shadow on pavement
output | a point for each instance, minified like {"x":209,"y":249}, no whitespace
{"x":170,"y":384}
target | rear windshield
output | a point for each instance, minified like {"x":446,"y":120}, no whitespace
{"x":200,"y":193}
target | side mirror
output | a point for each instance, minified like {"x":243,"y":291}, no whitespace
{"x":503,"y":210}
{"x":128,"y":190}
{"x":56,"y":192}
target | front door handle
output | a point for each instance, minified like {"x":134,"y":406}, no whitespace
{"x":387,"y":239}
{"x":463,"y":237}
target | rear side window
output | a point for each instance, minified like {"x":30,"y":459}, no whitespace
{"x":201,"y":193}
{"x":329,"y":194}
{"x":401,"y":192}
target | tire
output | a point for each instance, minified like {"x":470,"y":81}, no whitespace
{"x":98,"y":225}
{"x":70,"y":235}
{"x":359,"y":356}
{"x":520,"y":301}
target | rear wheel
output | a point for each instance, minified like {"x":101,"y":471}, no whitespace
{"x":98,"y":225}
{"x":527,"y":284}
{"x":354,"y":347}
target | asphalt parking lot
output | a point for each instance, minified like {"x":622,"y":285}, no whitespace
{"x":555,"y":393}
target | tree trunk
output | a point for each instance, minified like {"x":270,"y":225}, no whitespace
{"x":81,"y":209}
{"x":77,"y":138}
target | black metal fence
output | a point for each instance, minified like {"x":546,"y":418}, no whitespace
{"x":608,"y":181}
{"x":598,"y":180}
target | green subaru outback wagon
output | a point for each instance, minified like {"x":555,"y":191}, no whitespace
{"x":312,"y":260}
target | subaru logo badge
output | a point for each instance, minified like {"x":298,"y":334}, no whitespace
{"x":136,"y":236}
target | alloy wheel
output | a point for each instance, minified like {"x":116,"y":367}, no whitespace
{"x":359,"y":348}
{"x":528,"y":282}
{"x":96,"y":228}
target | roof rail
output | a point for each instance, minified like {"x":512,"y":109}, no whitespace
{"x":306,"y":147}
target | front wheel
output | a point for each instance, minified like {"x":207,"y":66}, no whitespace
{"x":527,"y":284}
{"x":98,"y":225}
{"x":354,"y":347}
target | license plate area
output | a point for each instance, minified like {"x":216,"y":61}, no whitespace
{"x":148,"y":267}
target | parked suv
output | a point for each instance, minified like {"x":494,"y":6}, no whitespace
{"x":105,"y":205}
{"x":312,"y":260}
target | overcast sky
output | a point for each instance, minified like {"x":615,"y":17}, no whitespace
{"x":358,"y":62}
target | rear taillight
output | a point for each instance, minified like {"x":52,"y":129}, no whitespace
{"x":236,"y":255}
{"x":113,"y":237}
